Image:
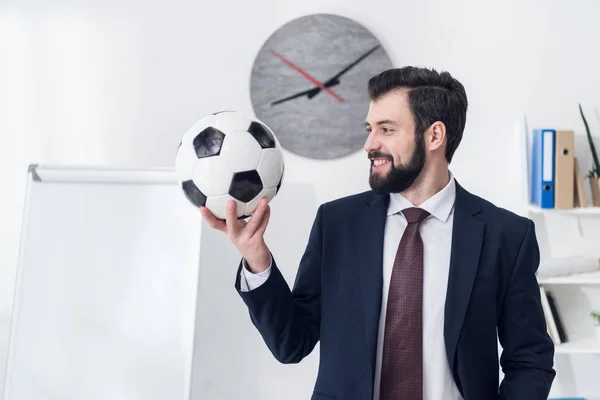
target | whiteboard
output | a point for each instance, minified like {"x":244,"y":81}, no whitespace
{"x":231,"y":360}
{"x":123,"y":292}
{"x":106,"y":289}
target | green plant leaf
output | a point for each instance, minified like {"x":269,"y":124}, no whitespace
{"x":595,"y":171}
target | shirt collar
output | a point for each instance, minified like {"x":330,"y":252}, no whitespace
{"x":439,"y":205}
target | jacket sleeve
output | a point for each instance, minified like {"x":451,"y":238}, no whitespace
{"x":289,"y":320}
{"x":528,"y":350}
{"x":250,"y":281}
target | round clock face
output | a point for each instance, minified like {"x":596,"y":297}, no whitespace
{"x":309,"y":84}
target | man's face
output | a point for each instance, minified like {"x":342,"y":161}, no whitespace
{"x":397,"y":155}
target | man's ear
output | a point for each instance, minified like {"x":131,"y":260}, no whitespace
{"x":436,"y":136}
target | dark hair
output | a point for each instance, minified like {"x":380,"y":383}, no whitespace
{"x":432,"y":97}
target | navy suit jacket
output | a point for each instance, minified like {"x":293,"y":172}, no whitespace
{"x":336,"y":299}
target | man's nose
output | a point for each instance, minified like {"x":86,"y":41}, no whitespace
{"x":371,"y":143}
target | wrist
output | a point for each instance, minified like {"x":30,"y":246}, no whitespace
{"x":258,"y":263}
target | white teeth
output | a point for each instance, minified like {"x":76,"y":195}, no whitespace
{"x":379,"y":162}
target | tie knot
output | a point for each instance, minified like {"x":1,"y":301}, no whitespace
{"x":415,"y":215}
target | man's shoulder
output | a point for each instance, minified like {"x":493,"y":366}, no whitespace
{"x":500,"y":218}
{"x":351,"y":201}
{"x":351,"y":204}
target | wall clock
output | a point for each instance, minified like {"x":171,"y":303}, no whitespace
{"x":309,"y":84}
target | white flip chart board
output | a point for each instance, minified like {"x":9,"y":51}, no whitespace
{"x":124,"y":293}
{"x":106,"y":289}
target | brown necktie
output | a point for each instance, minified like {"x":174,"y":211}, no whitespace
{"x":402,"y":364}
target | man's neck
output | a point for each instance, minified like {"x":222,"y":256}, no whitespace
{"x":427,"y":185}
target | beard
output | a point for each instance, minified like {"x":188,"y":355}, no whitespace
{"x":400,"y":177}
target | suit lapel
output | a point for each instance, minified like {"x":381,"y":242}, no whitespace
{"x":369,"y":250}
{"x":467,"y":238}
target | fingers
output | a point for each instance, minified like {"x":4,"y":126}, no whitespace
{"x":264,"y":222}
{"x":257,"y":217}
{"x":233,"y":227}
{"x":213,"y":221}
{"x":231,"y":221}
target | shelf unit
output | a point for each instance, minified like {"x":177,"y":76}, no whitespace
{"x":570,"y":290}
{"x":575,"y":293}
{"x":575,"y":212}
{"x":588,"y":278}
{"x":584,"y":346}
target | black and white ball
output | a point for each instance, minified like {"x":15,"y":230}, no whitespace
{"x":229,"y":155}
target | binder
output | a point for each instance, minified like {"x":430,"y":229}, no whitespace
{"x":564,"y":170}
{"x":542,"y":167}
{"x":548,"y":314}
{"x":562,"y":334}
{"x":580,"y":199}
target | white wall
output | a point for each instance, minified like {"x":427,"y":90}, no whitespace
{"x":99,"y":82}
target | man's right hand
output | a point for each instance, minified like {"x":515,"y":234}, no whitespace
{"x":248,"y":236}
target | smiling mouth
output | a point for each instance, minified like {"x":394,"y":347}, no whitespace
{"x":379,"y":163}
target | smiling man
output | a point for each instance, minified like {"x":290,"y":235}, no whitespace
{"x":407,"y":286}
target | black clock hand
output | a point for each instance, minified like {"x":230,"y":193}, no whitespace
{"x":310,"y":92}
{"x":342,"y":72}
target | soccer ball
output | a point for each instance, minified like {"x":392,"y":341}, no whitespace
{"x":228,"y":155}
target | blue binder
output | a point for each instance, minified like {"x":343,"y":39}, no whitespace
{"x":542,"y":167}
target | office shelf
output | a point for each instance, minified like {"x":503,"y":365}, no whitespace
{"x":575,"y":212}
{"x":588,"y":278}
{"x":586,"y":346}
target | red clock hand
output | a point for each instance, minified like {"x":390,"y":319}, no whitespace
{"x":306,"y":75}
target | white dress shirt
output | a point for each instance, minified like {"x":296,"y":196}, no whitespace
{"x":436,"y":232}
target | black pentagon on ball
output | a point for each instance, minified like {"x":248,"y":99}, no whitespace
{"x":245,"y":186}
{"x":208,"y":142}
{"x":280,"y":180}
{"x":262,"y":135}
{"x":193,"y":194}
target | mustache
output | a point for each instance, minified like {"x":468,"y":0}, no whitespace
{"x":378,"y":154}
